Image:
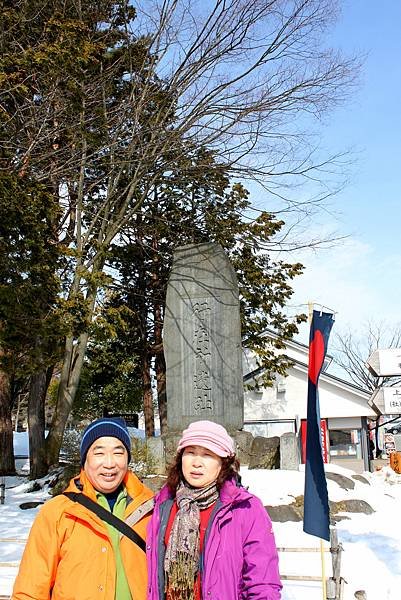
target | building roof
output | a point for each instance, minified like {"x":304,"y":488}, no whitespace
{"x":294,"y":352}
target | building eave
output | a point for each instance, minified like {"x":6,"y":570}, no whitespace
{"x":324,"y":376}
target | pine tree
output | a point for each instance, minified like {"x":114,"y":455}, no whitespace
{"x":30,"y":317}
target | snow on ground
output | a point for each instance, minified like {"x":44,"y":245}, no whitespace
{"x":371,"y":560}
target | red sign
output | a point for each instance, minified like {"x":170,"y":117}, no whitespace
{"x":323,"y":433}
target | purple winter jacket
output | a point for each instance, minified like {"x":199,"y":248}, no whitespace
{"x":240,"y":558}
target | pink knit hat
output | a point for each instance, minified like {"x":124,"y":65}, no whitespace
{"x":209,"y":435}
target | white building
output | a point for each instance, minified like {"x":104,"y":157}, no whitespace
{"x":344,"y":408}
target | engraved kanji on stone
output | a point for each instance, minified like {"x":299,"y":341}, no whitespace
{"x":202,"y":380}
{"x":203,"y":402}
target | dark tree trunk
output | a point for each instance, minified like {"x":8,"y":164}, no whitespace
{"x":70,"y":374}
{"x":148,"y":410}
{"x":38,"y":466}
{"x":160,"y":366}
{"x":7,"y":462}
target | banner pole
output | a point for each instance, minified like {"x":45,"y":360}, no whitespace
{"x":324,"y":592}
{"x":310,"y":312}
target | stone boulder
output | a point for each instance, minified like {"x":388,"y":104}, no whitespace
{"x":361,"y":478}
{"x":344,"y":482}
{"x":63,"y":479}
{"x":243,"y":443}
{"x":265,"y":453}
{"x":287,"y":512}
{"x":283,"y":513}
{"x":295,"y":510}
{"x":353,"y":505}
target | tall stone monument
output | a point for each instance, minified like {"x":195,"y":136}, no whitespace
{"x":202,"y":339}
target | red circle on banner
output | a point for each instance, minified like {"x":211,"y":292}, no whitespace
{"x":316,"y":356}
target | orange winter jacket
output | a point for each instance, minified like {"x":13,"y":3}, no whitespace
{"x":69,"y":554}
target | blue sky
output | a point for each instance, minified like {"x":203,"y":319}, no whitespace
{"x":361,"y":277}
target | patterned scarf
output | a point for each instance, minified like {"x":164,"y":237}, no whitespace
{"x":182,"y":553}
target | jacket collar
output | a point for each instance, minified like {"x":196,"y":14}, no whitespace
{"x":163,"y":495}
{"x":232,"y":492}
{"x":136,"y":490}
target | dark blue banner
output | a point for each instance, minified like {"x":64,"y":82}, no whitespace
{"x":316,"y":501}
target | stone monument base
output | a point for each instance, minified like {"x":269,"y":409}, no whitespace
{"x":156,"y":453}
{"x":243,"y":443}
{"x":259,"y":452}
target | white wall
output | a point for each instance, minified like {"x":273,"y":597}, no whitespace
{"x":336,"y":399}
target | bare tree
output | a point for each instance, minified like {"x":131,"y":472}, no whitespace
{"x":352,"y":350}
{"x":243,"y":74}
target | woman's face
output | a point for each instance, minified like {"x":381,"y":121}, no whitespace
{"x":200,"y":466}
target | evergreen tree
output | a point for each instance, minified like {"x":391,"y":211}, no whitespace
{"x":71,"y":74}
{"x":30,"y":320}
{"x":111,"y":377}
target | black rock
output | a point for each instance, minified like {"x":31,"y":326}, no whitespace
{"x":26,"y":505}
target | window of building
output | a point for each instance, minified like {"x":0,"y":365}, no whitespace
{"x":345,"y":443}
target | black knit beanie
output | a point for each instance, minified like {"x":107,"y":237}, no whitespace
{"x":106,"y":427}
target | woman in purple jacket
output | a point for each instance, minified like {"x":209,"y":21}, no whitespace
{"x":209,"y":538}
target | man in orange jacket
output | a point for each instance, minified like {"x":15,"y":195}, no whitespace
{"x":72,"y":553}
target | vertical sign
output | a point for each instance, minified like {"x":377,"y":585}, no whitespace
{"x":323,"y":433}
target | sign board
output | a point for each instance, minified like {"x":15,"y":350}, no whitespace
{"x":323,"y":433}
{"x":387,"y":400}
{"x":385,"y":363}
{"x":392,"y":400}
{"x":131,"y":419}
{"x":395,"y":462}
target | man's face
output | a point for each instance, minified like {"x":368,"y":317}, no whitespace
{"x":106,"y":464}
